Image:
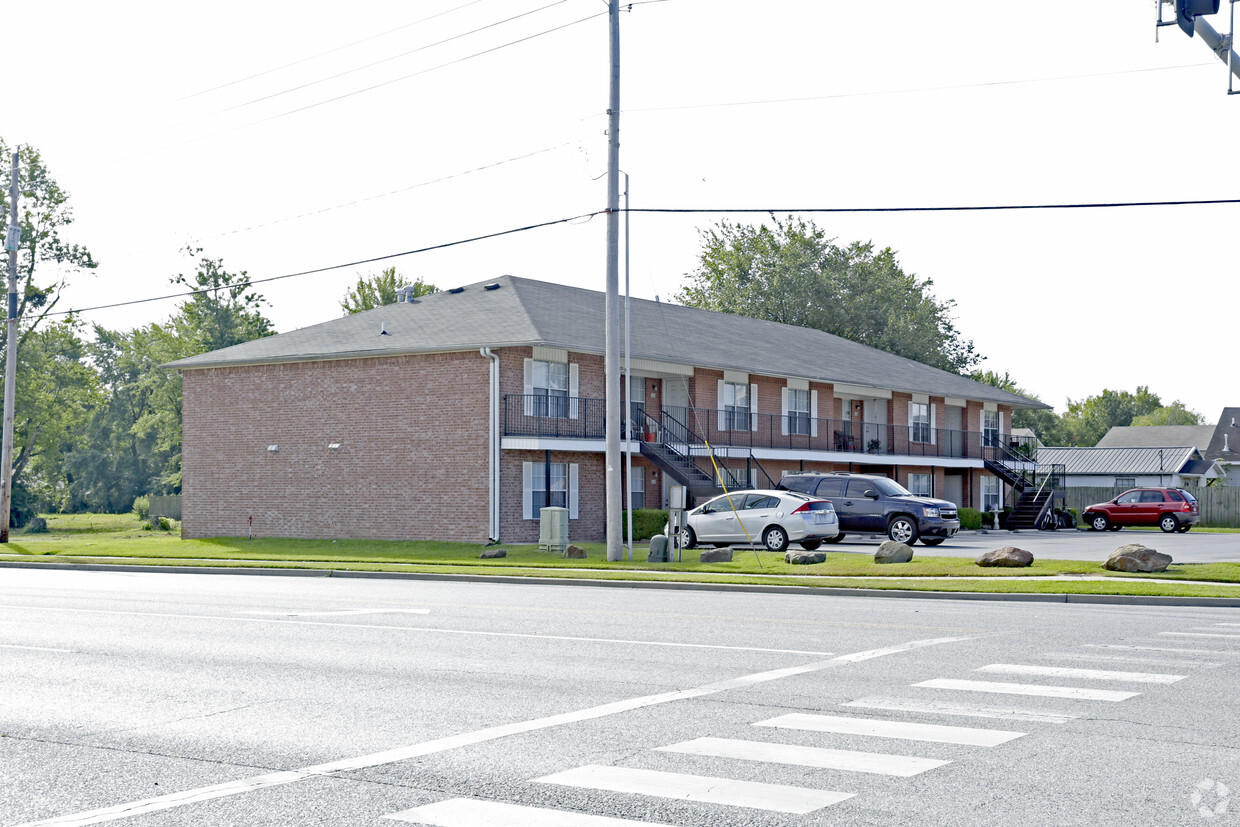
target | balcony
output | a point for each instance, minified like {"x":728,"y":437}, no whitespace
{"x":580,"y":418}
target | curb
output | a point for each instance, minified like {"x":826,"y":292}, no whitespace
{"x":827,"y":591}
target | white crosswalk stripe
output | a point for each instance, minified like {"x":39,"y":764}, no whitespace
{"x":963,"y":710}
{"x":966,"y":736}
{"x":1178,"y":651}
{"x":1200,"y":634}
{"x":473,"y":812}
{"x":1086,"y":674}
{"x":1029,"y":689}
{"x":779,"y":798}
{"x":1169,"y":662}
{"x":817,"y":757}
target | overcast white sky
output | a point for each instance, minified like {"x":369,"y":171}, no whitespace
{"x":261,"y":132}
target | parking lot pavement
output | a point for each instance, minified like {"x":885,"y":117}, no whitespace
{"x":1196,"y":546}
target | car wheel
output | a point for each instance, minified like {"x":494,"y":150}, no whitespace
{"x":810,"y":545}
{"x":834,"y":539}
{"x":775,"y":539}
{"x":688,"y":538}
{"x":936,"y":541}
{"x":902,"y":530}
{"x":1184,"y":529}
{"x":1099,"y":522}
{"x":1168,"y":523}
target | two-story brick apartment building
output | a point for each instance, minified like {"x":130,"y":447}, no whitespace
{"x":458,"y":415}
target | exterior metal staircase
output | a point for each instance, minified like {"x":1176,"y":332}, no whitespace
{"x":671,"y":449}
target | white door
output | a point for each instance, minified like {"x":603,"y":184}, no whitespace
{"x":875,"y":423}
{"x":953,"y":489}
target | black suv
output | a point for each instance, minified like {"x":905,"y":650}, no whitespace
{"x":874,"y":505}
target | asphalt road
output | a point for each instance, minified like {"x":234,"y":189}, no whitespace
{"x":1193,"y":547}
{"x":165,"y":699}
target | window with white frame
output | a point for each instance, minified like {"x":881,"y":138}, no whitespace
{"x":990,"y":493}
{"x":549,"y":387}
{"x":735,"y":406}
{"x":737,"y":478}
{"x":919,"y":422}
{"x":536,"y":494}
{"x":990,"y":427}
{"x":637,"y":487}
{"x":922,"y":485}
{"x":798,"y":412}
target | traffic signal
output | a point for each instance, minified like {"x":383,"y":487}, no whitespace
{"x":1186,"y":12}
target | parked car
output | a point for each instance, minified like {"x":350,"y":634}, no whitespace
{"x":869,"y":504}
{"x":772,"y":518}
{"x":1171,"y":509}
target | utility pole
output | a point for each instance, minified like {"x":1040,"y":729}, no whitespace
{"x":612,"y":304}
{"x":11,"y":241}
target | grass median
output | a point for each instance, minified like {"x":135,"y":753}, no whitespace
{"x":121,"y":539}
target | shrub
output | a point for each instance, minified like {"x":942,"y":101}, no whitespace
{"x":970,"y":518}
{"x":142,"y":507}
{"x":647,"y":522}
{"x":165,"y":524}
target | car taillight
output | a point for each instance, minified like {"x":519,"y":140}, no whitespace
{"x":816,"y":505}
{"x":804,"y":507}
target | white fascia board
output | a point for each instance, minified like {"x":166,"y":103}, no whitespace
{"x":853,"y":457}
{"x":543,"y":443}
{"x":860,"y":392}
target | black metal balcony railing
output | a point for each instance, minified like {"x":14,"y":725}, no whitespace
{"x":584,"y":419}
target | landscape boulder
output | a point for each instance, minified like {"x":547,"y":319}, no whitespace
{"x":493,"y":553}
{"x":805,"y":558}
{"x":717,"y":555}
{"x":1007,"y":557}
{"x":889,"y":551}
{"x":1136,"y":557}
{"x":574,"y":552}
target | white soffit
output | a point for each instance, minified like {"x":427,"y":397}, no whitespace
{"x":860,"y":392}
{"x":798,"y":384}
{"x":922,"y":398}
{"x":990,"y":406}
{"x":654,"y":366}
{"x":955,"y":401}
{"x":550,"y":354}
{"x":738,"y":376}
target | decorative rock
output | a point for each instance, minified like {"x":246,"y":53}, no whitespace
{"x":37,"y":525}
{"x":717,"y":555}
{"x":805,"y":558}
{"x":889,"y":551}
{"x":492,"y":553}
{"x":1136,"y":557}
{"x":1008,"y":557}
{"x":574,"y":552}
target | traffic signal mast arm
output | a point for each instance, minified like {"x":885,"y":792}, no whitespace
{"x":1190,"y":16}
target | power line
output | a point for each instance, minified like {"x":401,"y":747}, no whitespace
{"x":956,"y":208}
{"x":324,"y":54}
{"x":913,"y":90}
{"x":331,"y":267}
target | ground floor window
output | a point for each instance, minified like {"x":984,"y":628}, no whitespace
{"x":921,"y":484}
{"x":536,"y":495}
{"x":637,"y":486}
{"x":738,"y":478}
{"x":1125,"y":482}
{"x":990,"y":493}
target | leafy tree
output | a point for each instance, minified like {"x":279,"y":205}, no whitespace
{"x":377,"y":290}
{"x":792,"y":273}
{"x":1047,"y":425}
{"x":223,"y":310}
{"x":1088,"y":420}
{"x":1174,"y":414}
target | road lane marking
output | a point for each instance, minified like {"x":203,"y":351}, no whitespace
{"x":780,"y":798}
{"x":1199,"y":634}
{"x":1030,"y":689}
{"x":214,"y":791}
{"x":1086,"y":674}
{"x":341,"y":613}
{"x":877,"y":763}
{"x":473,"y":812}
{"x":34,"y":648}
{"x":964,"y":710}
{"x":1177,"y":651}
{"x":1227,"y":624}
{"x":1171,"y":662}
{"x":967,"y":736}
{"x":431,"y":630}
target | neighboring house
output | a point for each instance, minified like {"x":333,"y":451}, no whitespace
{"x":1224,"y":444}
{"x":1218,"y":443}
{"x":1179,"y":467}
{"x":1028,"y":435}
{"x":459,"y":415}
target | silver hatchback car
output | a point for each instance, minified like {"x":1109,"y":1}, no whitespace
{"x":771,"y":518}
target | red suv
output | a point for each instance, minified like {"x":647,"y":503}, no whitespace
{"x":1171,"y":509}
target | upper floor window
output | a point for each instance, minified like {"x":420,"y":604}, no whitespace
{"x":919,"y":422}
{"x":798,"y":412}
{"x":735,"y":406}
{"x":549,"y":387}
{"x":990,"y":427}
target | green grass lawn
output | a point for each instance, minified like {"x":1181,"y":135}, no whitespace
{"x":103,"y":538}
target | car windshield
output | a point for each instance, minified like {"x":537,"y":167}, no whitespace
{"x":891,"y":488}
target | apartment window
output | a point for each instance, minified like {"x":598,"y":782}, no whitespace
{"x":536,"y":495}
{"x":921,"y":485}
{"x":990,"y":493}
{"x":798,"y":412}
{"x":1125,"y":482}
{"x":735,"y":406}
{"x":737,"y":478}
{"x":549,"y":387}
{"x":919,"y":422}
{"x":990,"y":427}
{"x":637,"y":488}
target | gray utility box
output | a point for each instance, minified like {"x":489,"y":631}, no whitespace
{"x":552,"y":529}
{"x":658,"y":549}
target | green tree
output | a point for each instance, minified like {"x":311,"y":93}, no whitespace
{"x":1174,"y":414}
{"x":377,"y":290}
{"x":1047,"y":425}
{"x":223,"y":310}
{"x":1088,"y":420}
{"x":792,"y":273}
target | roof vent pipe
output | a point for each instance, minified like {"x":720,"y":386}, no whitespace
{"x":383,"y":329}
{"x":1233,"y":422}
{"x":1225,"y":448}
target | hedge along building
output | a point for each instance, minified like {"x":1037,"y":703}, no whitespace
{"x":457,"y":416}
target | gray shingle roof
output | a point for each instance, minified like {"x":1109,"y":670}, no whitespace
{"x":1157,"y":436}
{"x":1225,"y":434}
{"x":526,"y":312}
{"x":1164,"y":460}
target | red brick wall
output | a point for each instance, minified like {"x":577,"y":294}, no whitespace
{"x":591,"y":496}
{"x":412,"y":462}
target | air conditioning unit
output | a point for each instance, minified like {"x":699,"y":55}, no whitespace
{"x":552,"y":529}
